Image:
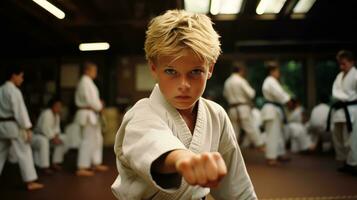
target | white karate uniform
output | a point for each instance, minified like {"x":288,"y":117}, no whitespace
{"x":48,"y":125}
{"x":152,"y":128}
{"x":73,"y":135}
{"x":273,"y":117}
{"x":345,"y":144}
{"x":238,"y":91}
{"x":317,"y":123}
{"x":297,"y":132}
{"x":12,"y":132}
{"x":91,"y":148}
{"x":258,"y":123}
{"x":257,"y":116}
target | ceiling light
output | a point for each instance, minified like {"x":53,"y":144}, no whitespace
{"x":50,"y":8}
{"x":96,"y":46}
{"x":225,"y":6}
{"x":270,"y":6}
{"x":215,"y":7}
{"x":197,"y":6}
{"x":303,"y":6}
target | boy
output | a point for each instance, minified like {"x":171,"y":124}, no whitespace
{"x":175,"y":144}
{"x":15,"y":128}
{"x":296,"y":129}
{"x":273,"y":115}
{"x":87,"y":100}
{"x":316,"y":126}
{"x":48,"y":131}
{"x":239,"y":94}
{"x":344,"y":135}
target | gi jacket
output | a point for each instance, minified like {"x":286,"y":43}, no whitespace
{"x":48,"y":124}
{"x":12,"y":105}
{"x":153,"y":127}
{"x":87,"y":101}
{"x":273,"y":92}
{"x":345,"y":89}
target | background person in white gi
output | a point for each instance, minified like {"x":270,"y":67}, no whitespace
{"x":239,"y":95}
{"x":300,"y":140}
{"x":316,"y":125}
{"x":48,"y":132}
{"x":87,"y":116}
{"x":15,"y":127}
{"x":273,"y":115}
{"x":258,"y":123}
{"x":344,"y":90}
{"x":176,"y":144}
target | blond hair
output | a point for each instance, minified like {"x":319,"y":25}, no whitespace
{"x":175,"y":31}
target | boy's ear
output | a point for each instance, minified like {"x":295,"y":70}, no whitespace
{"x":153,"y":69}
{"x":210,"y":71}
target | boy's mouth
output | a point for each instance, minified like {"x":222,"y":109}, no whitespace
{"x":182,"y":97}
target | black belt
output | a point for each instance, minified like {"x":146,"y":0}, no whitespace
{"x":7,"y":119}
{"x":85,"y":108}
{"x":281,"y":107}
{"x":338,"y":105}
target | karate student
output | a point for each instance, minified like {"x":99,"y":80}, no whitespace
{"x":15,"y":128}
{"x":47,"y":133}
{"x":300,"y":140}
{"x":73,"y":133}
{"x":239,"y":95}
{"x":344,"y":117}
{"x":316,"y":125}
{"x":258,"y":123}
{"x":176,"y":144}
{"x":273,"y":115}
{"x":87,"y":116}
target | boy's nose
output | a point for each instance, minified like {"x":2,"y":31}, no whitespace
{"x":184,"y":84}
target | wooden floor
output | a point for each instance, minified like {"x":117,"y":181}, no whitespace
{"x":63,"y":185}
{"x":306,"y":177}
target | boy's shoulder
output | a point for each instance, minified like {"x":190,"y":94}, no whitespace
{"x":141,"y":105}
{"x":46,"y":111}
{"x":142,"y":109}
{"x":213,"y":106}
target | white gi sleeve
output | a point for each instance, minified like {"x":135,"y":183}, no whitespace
{"x":91,"y":95}
{"x":278,"y":92}
{"x":143,"y":143}
{"x":248,"y":89}
{"x":87,"y":94}
{"x":337,"y":90}
{"x":47,"y":125}
{"x":20,"y":111}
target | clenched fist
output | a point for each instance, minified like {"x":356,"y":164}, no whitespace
{"x":205,"y":169}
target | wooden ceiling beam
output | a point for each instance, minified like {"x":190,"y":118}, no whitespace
{"x":287,"y":9}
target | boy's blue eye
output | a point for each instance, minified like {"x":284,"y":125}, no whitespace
{"x":197,"y":72}
{"x":170,"y":71}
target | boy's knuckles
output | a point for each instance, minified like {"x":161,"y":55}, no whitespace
{"x":216,"y":155}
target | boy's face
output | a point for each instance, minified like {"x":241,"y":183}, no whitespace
{"x":182,"y":81}
{"x":57,"y":107}
{"x":92,"y":71}
{"x":242,"y":72}
{"x":276,"y":73}
{"x":18,"y":79}
{"x":345,"y":64}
